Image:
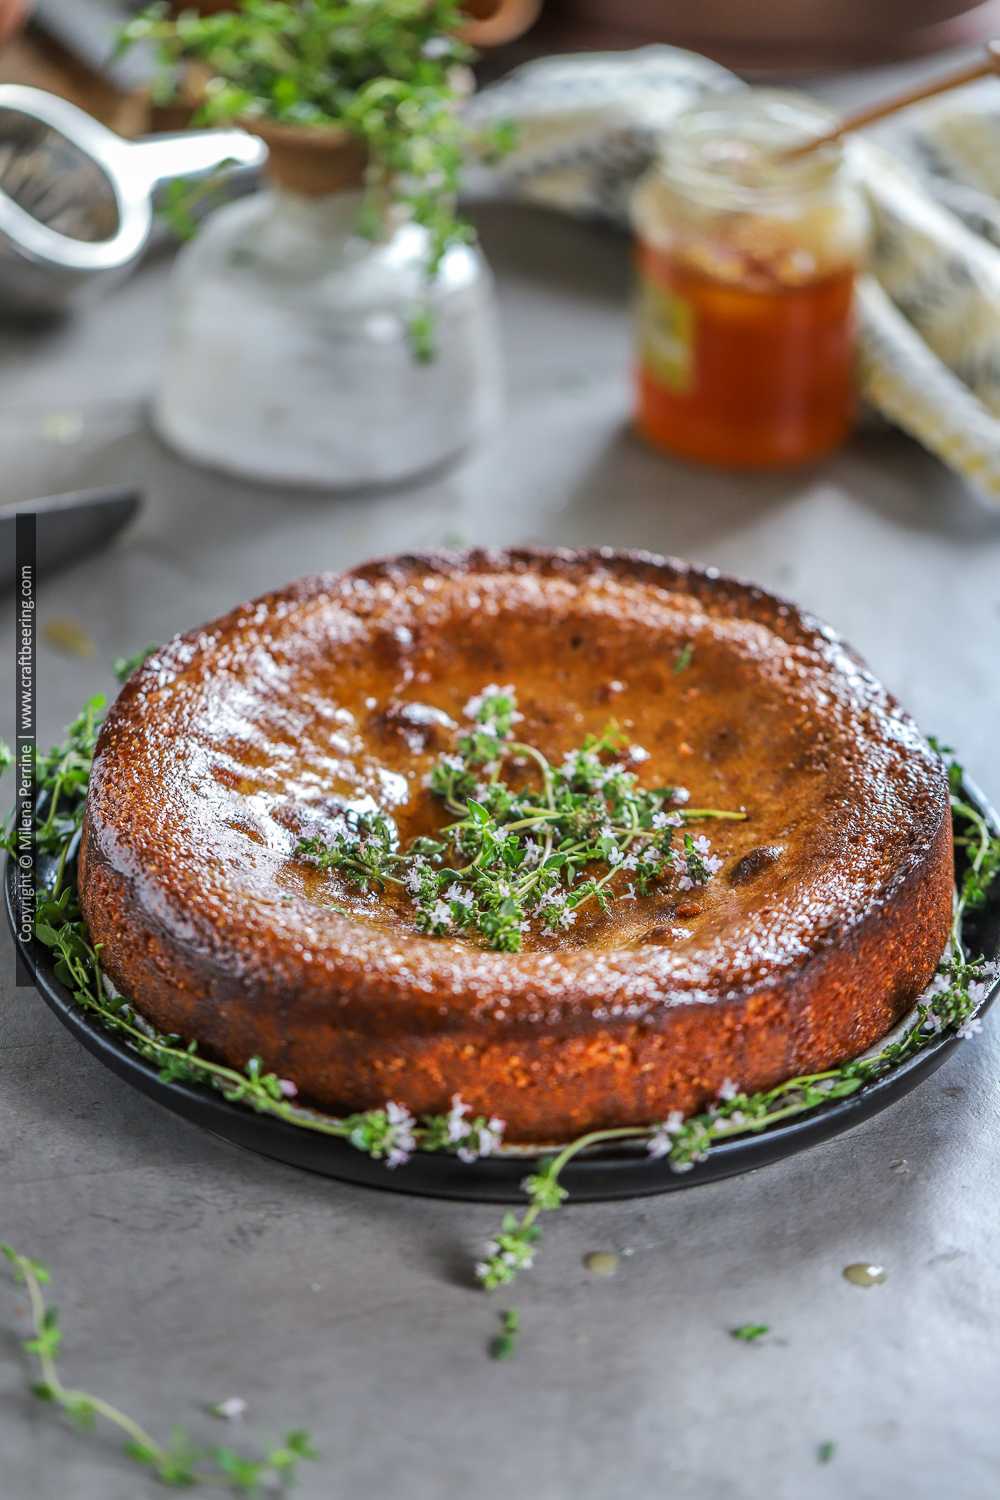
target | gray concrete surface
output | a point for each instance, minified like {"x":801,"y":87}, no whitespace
{"x":188,"y":1271}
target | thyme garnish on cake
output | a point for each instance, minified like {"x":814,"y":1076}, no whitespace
{"x":530,"y":843}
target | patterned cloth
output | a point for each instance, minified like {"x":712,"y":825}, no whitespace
{"x":589,"y":125}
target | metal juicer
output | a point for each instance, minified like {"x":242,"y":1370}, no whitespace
{"x":77,"y":200}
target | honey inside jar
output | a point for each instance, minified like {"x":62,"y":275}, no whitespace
{"x":746,"y":263}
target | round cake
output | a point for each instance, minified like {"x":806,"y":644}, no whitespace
{"x":802,"y":906}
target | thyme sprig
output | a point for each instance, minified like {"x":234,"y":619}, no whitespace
{"x":533,"y":850}
{"x":505,"y":1342}
{"x":388,"y":1134}
{"x":179,"y":1462}
{"x":749,"y":1333}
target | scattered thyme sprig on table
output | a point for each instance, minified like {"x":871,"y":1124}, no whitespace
{"x":749,"y":1333}
{"x":530,"y":851}
{"x":179,"y":1462}
{"x":391,"y":1134}
{"x":505,"y":1342}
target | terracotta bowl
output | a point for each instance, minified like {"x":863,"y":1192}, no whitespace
{"x":13,"y":14}
{"x":313,"y":160}
{"x":782,"y":33}
{"x":491,"y":22}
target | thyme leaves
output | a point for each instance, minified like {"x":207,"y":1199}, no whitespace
{"x":530,"y":843}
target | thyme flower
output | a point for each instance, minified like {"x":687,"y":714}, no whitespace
{"x":232,"y":1409}
{"x":387,"y":1134}
{"x":661,"y":1141}
{"x":472,"y":1139}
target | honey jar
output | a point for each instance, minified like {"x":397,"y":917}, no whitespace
{"x":746,"y":263}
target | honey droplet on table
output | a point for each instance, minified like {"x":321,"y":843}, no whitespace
{"x":67,"y":636}
{"x":860,"y":1273}
{"x":601,"y":1262}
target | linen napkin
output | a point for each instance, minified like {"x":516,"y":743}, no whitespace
{"x":929,"y":307}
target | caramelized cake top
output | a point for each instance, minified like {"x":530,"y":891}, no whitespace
{"x":234,"y":742}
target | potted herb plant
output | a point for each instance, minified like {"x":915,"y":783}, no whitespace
{"x":338,"y":328}
{"x":12,"y":17}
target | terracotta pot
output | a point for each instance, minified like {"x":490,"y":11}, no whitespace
{"x":313,"y":160}
{"x":492,"y":22}
{"x":13,"y":14}
{"x":780,"y":33}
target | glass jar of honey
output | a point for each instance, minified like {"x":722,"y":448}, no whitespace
{"x":747,"y":260}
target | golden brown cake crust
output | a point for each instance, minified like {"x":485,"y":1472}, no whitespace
{"x":827,"y":919}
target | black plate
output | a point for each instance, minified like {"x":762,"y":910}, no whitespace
{"x":609,"y":1173}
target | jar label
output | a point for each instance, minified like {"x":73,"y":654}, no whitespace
{"x":666,"y":334}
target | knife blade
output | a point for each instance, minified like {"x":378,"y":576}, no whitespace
{"x":67,"y":526}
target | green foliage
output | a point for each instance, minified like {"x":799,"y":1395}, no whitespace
{"x":421,"y":329}
{"x":512,"y":1248}
{"x":505,"y":1343}
{"x":981,"y":873}
{"x":952,"y":766}
{"x":179,"y":1462}
{"x":749,"y":1333}
{"x":23,"y":1266}
{"x":518,"y":854}
{"x":386,"y":71}
{"x":124,"y":666}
